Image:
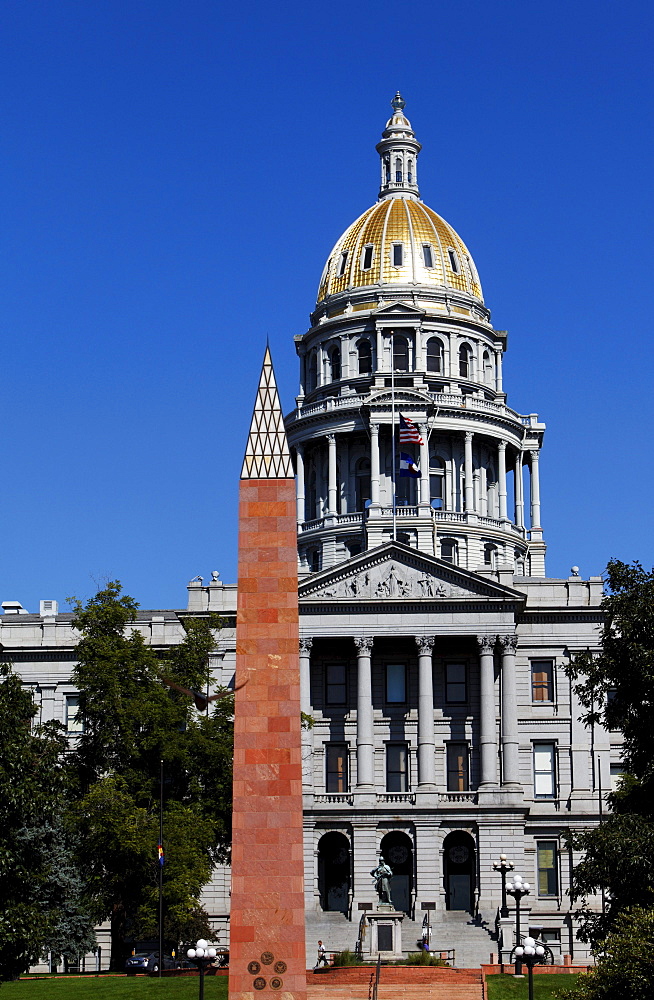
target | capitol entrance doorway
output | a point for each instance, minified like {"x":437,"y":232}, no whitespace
{"x":397,"y":851}
{"x":334,"y":872}
{"x":459,"y":871}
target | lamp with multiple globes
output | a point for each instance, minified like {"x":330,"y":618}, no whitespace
{"x":202,"y":956}
{"x":503,"y":866}
{"x":532,"y":954}
{"x":518,"y":889}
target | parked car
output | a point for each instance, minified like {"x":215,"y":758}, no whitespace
{"x":148,"y":961}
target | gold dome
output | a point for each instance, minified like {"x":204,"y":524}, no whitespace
{"x":432,"y":253}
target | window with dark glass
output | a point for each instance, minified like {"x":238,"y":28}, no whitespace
{"x":544,"y":770}
{"x":366,"y":258}
{"x":400,"y":354}
{"x":387,"y":169}
{"x":455,"y":683}
{"x":490,"y":555}
{"x":457,"y":767}
{"x":342,"y":264}
{"x":548,"y":868}
{"x":465,"y":353}
{"x":397,"y":767}
{"x":335,"y":364}
{"x":427,"y":255}
{"x":454,"y":261}
{"x":364,"y":351}
{"x":336,"y":684}
{"x":362,"y":483}
{"x":312,"y":371}
{"x":337,"y":769}
{"x":409,"y":173}
{"x":315,"y":560}
{"x":434,"y":355}
{"x":398,"y":254}
{"x":395,"y":683}
{"x":398,"y":171}
{"x":436,"y":481}
{"x":542,"y":680}
{"x":448,"y":551}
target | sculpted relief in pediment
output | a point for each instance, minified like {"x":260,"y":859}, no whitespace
{"x":388,"y":580}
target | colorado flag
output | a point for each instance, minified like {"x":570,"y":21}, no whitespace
{"x":408,"y":467}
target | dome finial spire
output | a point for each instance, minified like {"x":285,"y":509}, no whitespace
{"x":398,"y":151}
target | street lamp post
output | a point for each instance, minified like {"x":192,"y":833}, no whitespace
{"x":532,"y":954}
{"x":518,"y":889}
{"x":202,"y":956}
{"x":503,"y":866}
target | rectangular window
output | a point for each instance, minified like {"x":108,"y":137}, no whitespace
{"x":342,"y":264}
{"x":336,"y":684}
{"x":74,"y":723}
{"x":548,"y":873}
{"x":616,"y":773}
{"x":427,"y":255}
{"x":337,"y":769}
{"x":397,"y":255}
{"x":455,"y":683}
{"x":542,"y":680}
{"x":366,"y":263}
{"x":397,"y":767}
{"x":395,"y":683}
{"x":544,"y":770}
{"x":457,"y":767}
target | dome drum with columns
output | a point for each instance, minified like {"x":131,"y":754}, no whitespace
{"x":400,"y":311}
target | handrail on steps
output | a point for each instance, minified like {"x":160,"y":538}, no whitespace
{"x":377,"y":975}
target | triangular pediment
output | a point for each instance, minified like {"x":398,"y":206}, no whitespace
{"x":396,"y":572}
{"x":398,"y":308}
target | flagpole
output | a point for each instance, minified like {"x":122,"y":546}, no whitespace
{"x":161,"y":783}
{"x":393,"y":437}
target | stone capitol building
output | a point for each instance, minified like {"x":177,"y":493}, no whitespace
{"x":433,"y":645}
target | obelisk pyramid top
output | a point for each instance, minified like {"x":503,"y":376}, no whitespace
{"x":267,"y":455}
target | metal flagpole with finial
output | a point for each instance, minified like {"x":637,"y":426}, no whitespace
{"x":393,"y":435}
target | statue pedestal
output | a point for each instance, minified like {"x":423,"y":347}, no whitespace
{"x":385,"y":936}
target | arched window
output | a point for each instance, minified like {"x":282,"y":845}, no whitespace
{"x":449,"y":550}
{"x":400,"y":354}
{"x":437,"y":481}
{"x":434,"y":355}
{"x":398,"y":170}
{"x":465,"y":361}
{"x":311,"y":502}
{"x":312,"y":371}
{"x":409,"y":175}
{"x":387,"y":169}
{"x":335,"y":364}
{"x":364,"y":350}
{"x":362,"y":483}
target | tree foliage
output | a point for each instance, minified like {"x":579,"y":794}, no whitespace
{"x":626,"y":968}
{"x":132,"y":721}
{"x":33,"y":785}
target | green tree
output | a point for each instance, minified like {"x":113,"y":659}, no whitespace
{"x":616,"y":690}
{"x":133,"y":720}
{"x":33,"y":784}
{"x":626,"y":968}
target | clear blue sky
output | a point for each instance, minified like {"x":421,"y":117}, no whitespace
{"x":173,"y":176}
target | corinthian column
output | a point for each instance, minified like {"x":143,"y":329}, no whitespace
{"x":469,"y":482}
{"x":426,"y":773}
{"x":501,"y":478}
{"x":365,"y":731}
{"x":424,"y":464}
{"x":535,"y":489}
{"x":299,"y":465}
{"x":305,"y":674}
{"x":331,"y":475}
{"x":487,"y":723}
{"x":374,"y":465}
{"x":510,"y":775}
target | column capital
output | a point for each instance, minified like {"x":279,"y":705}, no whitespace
{"x":306,"y":642}
{"x":509,"y":642}
{"x":425,"y":643}
{"x":501,"y":445}
{"x":363,"y":644}
{"x":486,"y":643}
{"x":330,"y":437}
{"x":468,"y":435}
{"x":534,"y":454}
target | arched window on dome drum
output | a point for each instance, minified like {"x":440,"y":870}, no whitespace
{"x":364,"y":351}
{"x":488,"y":369}
{"x":436,"y":481}
{"x":400,"y":354}
{"x":311,"y":502}
{"x":387,"y":169}
{"x":449,"y":550}
{"x":312,"y":371}
{"x":335,"y":364}
{"x":362,"y":484}
{"x":465,"y":361}
{"x":398,"y":170}
{"x":409,"y":174}
{"x":490,"y":555}
{"x":434,"y":355}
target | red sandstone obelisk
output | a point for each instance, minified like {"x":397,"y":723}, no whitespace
{"x":267,"y":949}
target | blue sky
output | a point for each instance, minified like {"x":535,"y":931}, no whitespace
{"x":173,"y":176}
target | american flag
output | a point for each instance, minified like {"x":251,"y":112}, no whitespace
{"x":409,"y":432}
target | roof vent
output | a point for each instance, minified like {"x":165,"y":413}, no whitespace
{"x":13,"y":608}
{"x":48,"y":609}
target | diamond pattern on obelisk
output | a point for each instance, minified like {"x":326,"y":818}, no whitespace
{"x":266,"y":454}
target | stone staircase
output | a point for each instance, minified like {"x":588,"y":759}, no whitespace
{"x":397,"y":983}
{"x":470,"y":938}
